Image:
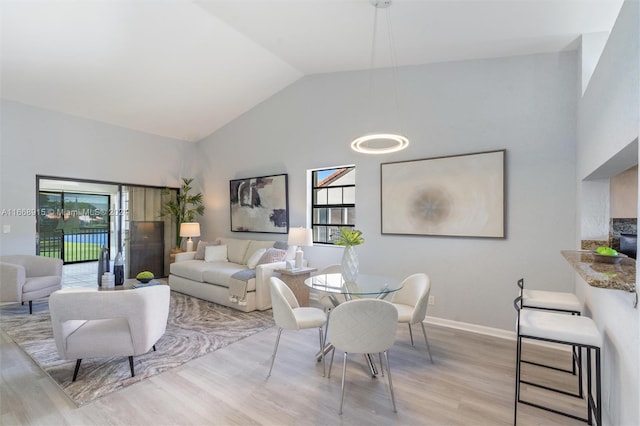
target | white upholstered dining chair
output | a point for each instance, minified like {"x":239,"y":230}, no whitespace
{"x":289,"y":315}
{"x":363,"y":326}
{"x":324,"y":300}
{"x":97,"y":324}
{"x":411,"y":302}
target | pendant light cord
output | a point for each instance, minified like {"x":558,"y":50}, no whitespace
{"x":394,"y":69}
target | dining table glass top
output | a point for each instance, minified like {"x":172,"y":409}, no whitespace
{"x":366,"y":284}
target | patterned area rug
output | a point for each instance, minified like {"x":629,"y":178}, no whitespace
{"x":195,"y":328}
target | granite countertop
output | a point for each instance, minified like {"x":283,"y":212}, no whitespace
{"x":603,"y":275}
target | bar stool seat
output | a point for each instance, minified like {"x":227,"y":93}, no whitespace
{"x":551,"y":300}
{"x":582,"y":334}
{"x":564,"y":328}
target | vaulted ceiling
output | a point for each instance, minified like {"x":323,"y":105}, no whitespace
{"x":183,"y":69}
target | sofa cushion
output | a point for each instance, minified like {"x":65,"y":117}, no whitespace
{"x":255,"y":245}
{"x":191,"y":269}
{"x":215,"y":253}
{"x":255,"y":258}
{"x":236,"y":249}
{"x":219,"y":273}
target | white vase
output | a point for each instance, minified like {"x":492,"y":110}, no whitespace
{"x":350,"y":264}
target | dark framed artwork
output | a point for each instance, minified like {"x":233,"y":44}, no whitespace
{"x":457,"y":196}
{"x":260,"y":204}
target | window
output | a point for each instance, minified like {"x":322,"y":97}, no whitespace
{"x":333,"y":202}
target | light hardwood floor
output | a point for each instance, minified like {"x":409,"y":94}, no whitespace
{"x":470,"y":383}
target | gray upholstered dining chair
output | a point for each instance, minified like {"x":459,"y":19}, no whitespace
{"x":27,"y":277}
{"x":289,"y":315}
{"x":363,"y":326}
{"x":98,"y":324}
{"x":411,"y":302}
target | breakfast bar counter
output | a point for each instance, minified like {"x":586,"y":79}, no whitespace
{"x":620,"y":276}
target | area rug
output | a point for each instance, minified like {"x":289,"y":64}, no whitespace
{"x":195,"y":328}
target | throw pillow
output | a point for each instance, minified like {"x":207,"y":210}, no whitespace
{"x":201,"y":246}
{"x":282,"y":245}
{"x":255,"y":258}
{"x":272,"y":255}
{"x":215,"y":253}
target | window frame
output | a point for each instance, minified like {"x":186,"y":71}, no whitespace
{"x":314,"y":206}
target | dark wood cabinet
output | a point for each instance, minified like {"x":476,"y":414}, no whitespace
{"x":146,"y":248}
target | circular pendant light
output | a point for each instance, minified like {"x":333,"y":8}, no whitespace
{"x":379,"y":143}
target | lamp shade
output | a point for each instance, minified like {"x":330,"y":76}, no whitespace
{"x":300,"y":237}
{"x":190,"y":229}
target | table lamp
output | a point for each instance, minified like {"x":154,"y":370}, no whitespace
{"x":190,"y":229}
{"x":300,"y":237}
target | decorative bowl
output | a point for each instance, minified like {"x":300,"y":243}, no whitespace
{"x":144,"y":280}
{"x":602,"y":258}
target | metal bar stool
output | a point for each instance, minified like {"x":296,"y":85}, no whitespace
{"x":554,"y":301}
{"x":577,"y":331}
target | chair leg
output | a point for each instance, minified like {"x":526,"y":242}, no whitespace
{"x":424,"y":332}
{"x":393,"y":399}
{"x":75,"y":372}
{"x":333,"y":352}
{"x":275,"y":349}
{"x":324,"y":364}
{"x":154,"y":348}
{"x":344,"y":373}
{"x":410,"y":334}
{"x":30,"y":307}
{"x":598,"y":388}
{"x":517,"y":389}
{"x":131,"y":366}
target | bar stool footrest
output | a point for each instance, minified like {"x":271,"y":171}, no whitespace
{"x":552,"y":410}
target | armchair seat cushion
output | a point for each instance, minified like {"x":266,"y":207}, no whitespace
{"x":114,"y":339}
{"x":39,"y":283}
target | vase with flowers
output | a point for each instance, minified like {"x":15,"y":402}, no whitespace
{"x":349,"y":238}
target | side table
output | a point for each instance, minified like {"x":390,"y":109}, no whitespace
{"x":294,"y":279}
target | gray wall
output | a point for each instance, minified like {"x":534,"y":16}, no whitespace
{"x":608,"y":123}
{"x":525,"y":104}
{"x":36,"y":141}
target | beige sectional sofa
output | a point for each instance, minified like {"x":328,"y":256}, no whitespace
{"x":210,"y":280}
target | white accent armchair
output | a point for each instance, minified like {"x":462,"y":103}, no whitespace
{"x":95,"y":324}
{"x":26,"y":277}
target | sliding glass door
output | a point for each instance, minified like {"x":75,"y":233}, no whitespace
{"x":79,"y":217}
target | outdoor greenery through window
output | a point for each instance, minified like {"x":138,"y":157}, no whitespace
{"x":73,"y":226}
{"x":333,"y":202}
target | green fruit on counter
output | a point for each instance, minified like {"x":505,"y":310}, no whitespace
{"x":606,"y":251}
{"x":144,"y":275}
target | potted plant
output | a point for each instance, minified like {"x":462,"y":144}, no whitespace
{"x":184,"y":208}
{"x":349,"y":238}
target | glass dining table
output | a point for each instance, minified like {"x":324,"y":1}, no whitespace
{"x":367,"y":285}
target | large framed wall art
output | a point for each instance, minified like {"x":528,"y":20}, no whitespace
{"x":458,"y":196}
{"x":260,"y":204}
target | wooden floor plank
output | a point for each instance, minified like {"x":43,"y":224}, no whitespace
{"x":470,"y":382}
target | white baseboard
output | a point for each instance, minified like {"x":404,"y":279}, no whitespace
{"x":474,"y":328}
{"x":489,"y":331}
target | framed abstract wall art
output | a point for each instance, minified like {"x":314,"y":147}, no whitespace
{"x":260,"y":204}
{"x":457,"y":196}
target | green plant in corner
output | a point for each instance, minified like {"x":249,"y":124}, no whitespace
{"x":184,"y":208}
{"x":349,"y":237}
